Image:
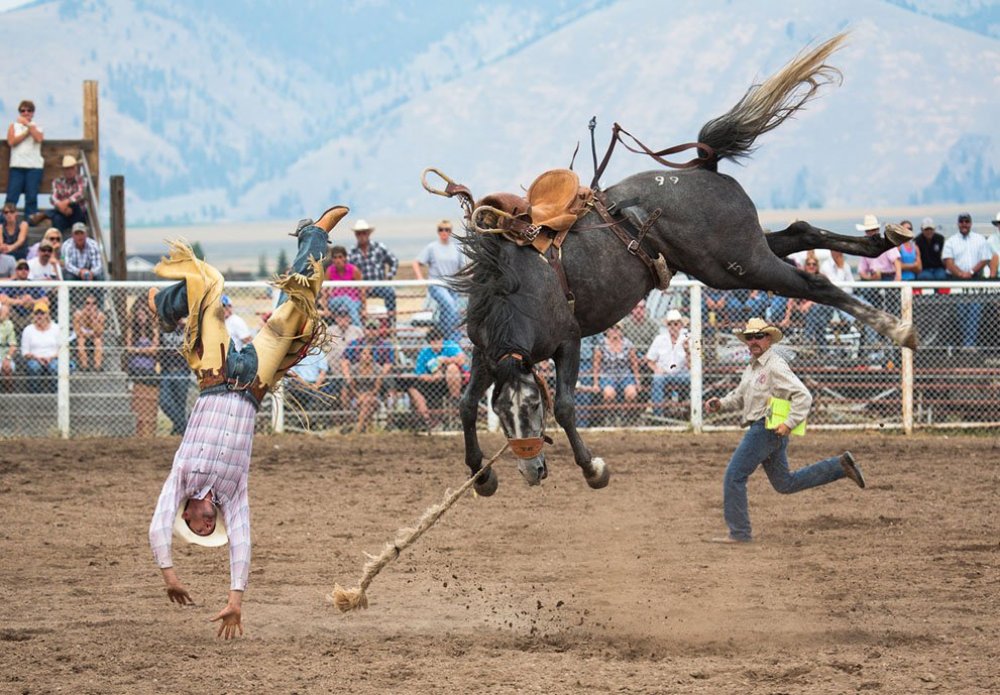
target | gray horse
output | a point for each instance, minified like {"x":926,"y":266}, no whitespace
{"x":707,"y":227}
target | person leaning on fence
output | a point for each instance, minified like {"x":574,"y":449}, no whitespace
{"x":204,"y":500}
{"x":909,"y":261}
{"x":930,"y":244}
{"x":768,"y":375}
{"x":441,"y":371}
{"x":377,"y":263}
{"x":142,"y":346}
{"x":965,"y":256}
{"x":994,"y":240}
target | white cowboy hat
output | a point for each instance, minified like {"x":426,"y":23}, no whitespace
{"x":756,"y":325}
{"x":674,"y":315}
{"x":996,"y":220}
{"x":215,"y":539}
{"x":69,"y":161}
{"x":362,"y":226}
{"x":870,"y":222}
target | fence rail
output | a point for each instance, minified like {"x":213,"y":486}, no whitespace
{"x":99,"y":385}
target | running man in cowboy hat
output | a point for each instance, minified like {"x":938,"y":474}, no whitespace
{"x":767,"y":375}
{"x":204,"y":499}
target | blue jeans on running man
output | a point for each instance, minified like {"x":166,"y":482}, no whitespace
{"x":762,"y":446}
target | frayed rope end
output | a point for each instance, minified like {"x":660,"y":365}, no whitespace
{"x":348,"y":599}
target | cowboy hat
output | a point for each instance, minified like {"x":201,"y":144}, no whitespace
{"x":756,"y":325}
{"x":69,"y":161}
{"x":215,"y":539}
{"x":674,"y":315}
{"x":996,"y":220}
{"x":870,"y":222}
{"x":362,"y":226}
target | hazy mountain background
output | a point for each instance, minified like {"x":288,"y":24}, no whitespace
{"x":230,"y":110}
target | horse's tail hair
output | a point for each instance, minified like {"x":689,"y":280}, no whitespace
{"x":766,"y":106}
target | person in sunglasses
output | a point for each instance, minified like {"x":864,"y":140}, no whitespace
{"x":26,"y":165}
{"x":767,"y":375}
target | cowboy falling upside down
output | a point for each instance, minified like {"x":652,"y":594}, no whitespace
{"x":204,"y":499}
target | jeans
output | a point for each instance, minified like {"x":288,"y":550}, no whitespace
{"x":27,"y":181}
{"x":173,"y":399}
{"x":448,"y":316}
{"x":64,"y":222}
{"x":349,"y":304}
{"x":933,"y":274}
{"x":679,"y":383}
{"x":969,"y":317}
{"x":817,"y":319}
{"x":387,"y":294}
{"x":762,"y":446}
{"x":42,"y":378}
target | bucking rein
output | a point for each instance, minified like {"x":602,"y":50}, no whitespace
{"x":543,"y":219}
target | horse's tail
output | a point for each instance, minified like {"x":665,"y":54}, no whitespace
{"x":766,"y":106}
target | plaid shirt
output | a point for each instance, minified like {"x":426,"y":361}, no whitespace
{"x":71,"y":191}
{"x":373,"y":263}
{"x":90,"y":257}
{"x":214,"y":455}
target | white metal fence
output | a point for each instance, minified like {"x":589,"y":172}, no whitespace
{"x":118,"y":381}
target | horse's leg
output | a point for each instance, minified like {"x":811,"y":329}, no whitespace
{"x":802,"y":236}
{"x":781,"y":278}
{"x":567,"y":359}
{"x":468,"y":407}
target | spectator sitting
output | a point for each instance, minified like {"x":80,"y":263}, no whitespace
{"x":53,"y":238}
{"x":175,"y":378}
{"x":40,"y":350}
{"x":883,"y":267}
{"x":351,"y":299}
{"x":344,"y":333}
{"x":307,"y":382}
{"x":365,"y":365}
{"x":814,"y":316}
{"x":8,"y":348}
{"x":616,"y":368}
{"x":930,"y":244}
{"x":26,"y":164}
{"x":21,"y":300}
{"x":441,"y":369}
{"x":994,"y":240}
{"x":82,"y":256}
{"x":69,"y":198}
{"x":142,"y":340}
{"x":839,"y":272}
{"x":669,"y":357}
{"x":376,"y":263}
{"x":909,"y":256}
{"x":237,"y":327}
{"x":443,"y":258}
{"x":965,"y":255}
{"x":88,"y":324}
{"x":15,"y":233}
{"x":44,"y":266}
{"x":7,"y":266}
{"x":638,"y":327}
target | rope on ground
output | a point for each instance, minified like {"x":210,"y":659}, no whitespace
{"x":351,"y":599}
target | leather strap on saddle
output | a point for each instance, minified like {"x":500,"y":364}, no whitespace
{"x":658,"y":267}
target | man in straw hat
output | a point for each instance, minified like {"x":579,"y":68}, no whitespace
{"x":212,"y":464}
{"x":768,"y":375}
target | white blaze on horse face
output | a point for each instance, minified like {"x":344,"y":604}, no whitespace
{"x":520,"y":409}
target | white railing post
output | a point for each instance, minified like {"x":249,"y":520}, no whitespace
{"x":906,"y":366}
{"x":62,"y":396}
{"x":697,"y":363}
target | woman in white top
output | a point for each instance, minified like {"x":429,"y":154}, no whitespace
{"x":40,"y":349}
{"x":25,"y":139}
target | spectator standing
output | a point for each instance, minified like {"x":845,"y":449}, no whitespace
{"x":44,"y":266}
{"x":26,"y":164}
{"x":638,"y":327}
{"x":442,"y":369}
{"x":930,"y":244}
{"x":142,"y":341}
{"x":40,"y":350}
{"x":669,"y":356}
{"x":616,"y":368}
{"x":69,"y":198}
{"x":53,"y":238}
{"x":443,"y":258}
{"x":965,"y":256}
{"x":768,"y":375}
{"x":238,"y":329}
{"x":8,"y":348}
{"x":175,"y":378}
{"x":909,"y":256}
{"x":82,"y":256}
{"x":351,"y":299}
{"x":88,"y":324}
{"x":15,"y":233}
{"x":376,"y":263}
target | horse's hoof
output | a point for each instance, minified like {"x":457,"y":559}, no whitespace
{"x":599,"y":475}
{"x":534,"y":470}
{"x":905,"y":335}
{"x":487,"y":484}
{"x":897,"y":234}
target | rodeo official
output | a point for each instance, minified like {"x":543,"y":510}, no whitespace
{"x":204,"y":499}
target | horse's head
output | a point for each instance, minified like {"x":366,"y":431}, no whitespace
{"x":521,"y":400}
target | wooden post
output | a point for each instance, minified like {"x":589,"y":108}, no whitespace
{"x":91,"y":132}
{"x":118,"y":269}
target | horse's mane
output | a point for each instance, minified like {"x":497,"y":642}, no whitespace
{"x":490,"y":282}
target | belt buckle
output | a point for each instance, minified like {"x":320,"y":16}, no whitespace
{"x":633,"y":246}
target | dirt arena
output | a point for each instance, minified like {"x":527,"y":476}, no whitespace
{"x":893,"y":589}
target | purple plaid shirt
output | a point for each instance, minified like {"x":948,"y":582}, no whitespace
{"x":214,"y":455}
{"x":67,"y":190}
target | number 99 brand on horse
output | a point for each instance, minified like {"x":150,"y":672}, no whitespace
{"x":600,"y":247}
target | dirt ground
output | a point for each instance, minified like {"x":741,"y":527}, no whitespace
{"x":553,"y":589}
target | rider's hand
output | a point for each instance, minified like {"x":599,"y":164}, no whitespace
{"x":231,"y":616}
{"x":179,"y":595}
